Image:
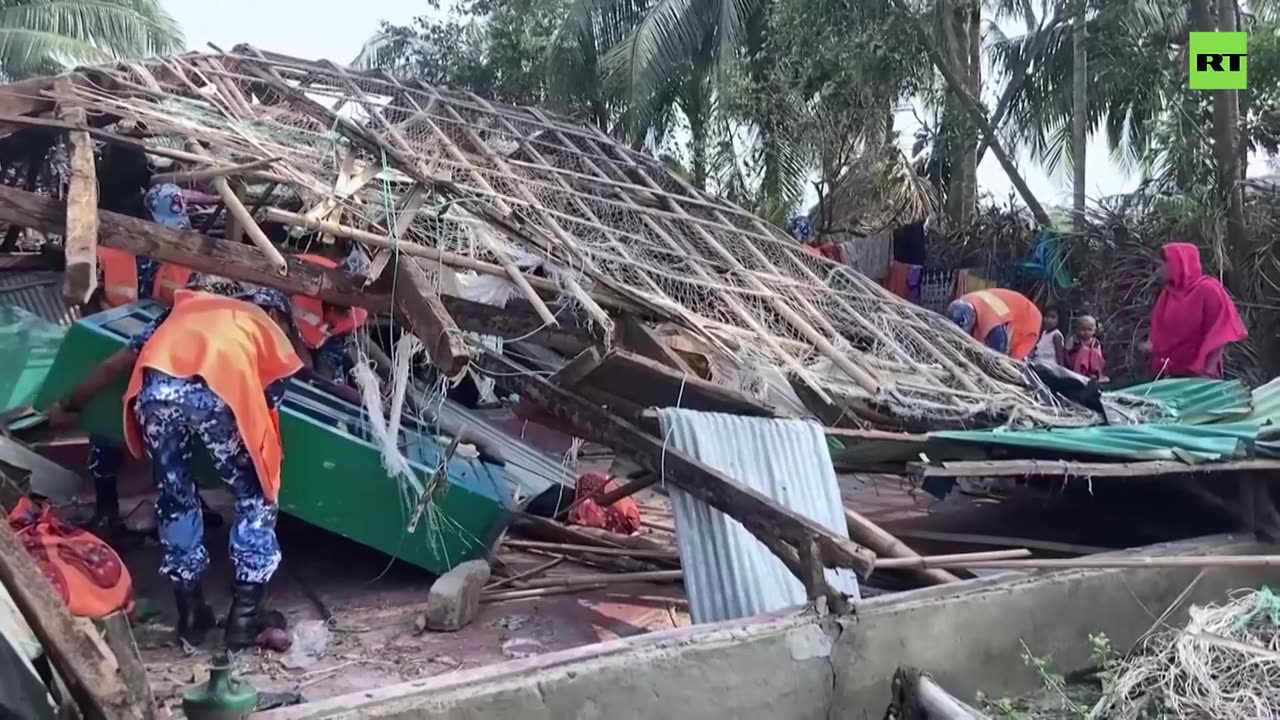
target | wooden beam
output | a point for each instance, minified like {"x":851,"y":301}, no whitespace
{"x":90,"y":674}
{"x":760,"y":515}
{"x":635,"y":336}
{"x":119,"y":637}
{"x":885,"y":544}
{"x":648,"y":383}
{"x":81,"y":239}
{"x":216,"y":171}
{"x":245,"y":263}
{"x":428,"y":318}
{"x":1071,"y":468}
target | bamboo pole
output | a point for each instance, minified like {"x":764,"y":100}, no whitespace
{"x":953,"y":560}
{"x":884,"y":544}
{"x":638,"y":554}
{"x":527,"y":573}
{"x":537,"y":593}
{"x":607,"y":579}
{"x":1083,"y":563}
{"x":243,"y":217}
{"x":217,"y":171}
{"x":418,"y":250}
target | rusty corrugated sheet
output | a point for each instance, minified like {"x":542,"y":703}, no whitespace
{"x":38,"y":293}
{"x":729,"y":574}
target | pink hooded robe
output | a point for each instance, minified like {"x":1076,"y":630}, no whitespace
{"x":1194,"y":318}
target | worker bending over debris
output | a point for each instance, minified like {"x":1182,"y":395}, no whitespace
{"x":327,"y":329}
{"x":216,"y":369}
{"x":1003,"y":320}
{"x":124,"y":279}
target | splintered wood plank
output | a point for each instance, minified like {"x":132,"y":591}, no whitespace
{"x":81,"y":239}
{"x":646,"y":383}
{"x":637,"y":337}
{"x":429,"y":319}
{"x":760,"y":515}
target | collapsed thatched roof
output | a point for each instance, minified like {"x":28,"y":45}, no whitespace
{"x":473,"y":185}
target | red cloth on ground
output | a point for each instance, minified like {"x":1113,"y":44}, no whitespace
{"x":1086,"y":358}
{"x":623,"y":516}
{"x":85,"y":572}
{"x":1193,"y":317}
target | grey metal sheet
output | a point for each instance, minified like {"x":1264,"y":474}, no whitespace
{"x":38,"y":293}
{"x":532,"y":469}
{"x":729,"y":574}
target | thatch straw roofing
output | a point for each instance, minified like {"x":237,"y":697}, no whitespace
{"x":472,"y":184}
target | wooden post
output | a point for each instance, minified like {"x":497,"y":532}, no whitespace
{"x":90,"y":675}
{"x":119,"y":637}
{"x":81,"y":239}
{"x":885,"y":544}
{"x":429,"y":319}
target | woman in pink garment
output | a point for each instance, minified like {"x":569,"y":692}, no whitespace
{"x":1194,"y":318}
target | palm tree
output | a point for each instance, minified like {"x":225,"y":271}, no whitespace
{"x":39,"y":37}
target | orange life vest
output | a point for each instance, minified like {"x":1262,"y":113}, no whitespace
{"x":998,"y":306}
{"x":238,"y":350}
{"x":170,"y":278}
{"x":120,"y":278}
{"x":308,"y":313}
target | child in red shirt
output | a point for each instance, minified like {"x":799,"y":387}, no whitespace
{"x":1085,"y":354}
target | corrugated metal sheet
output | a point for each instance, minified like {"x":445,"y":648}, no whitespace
{"x":1196,"y":401}
{"x":1189,"y":443}
{"x":727,"y":572}
{"x":39,"y":294}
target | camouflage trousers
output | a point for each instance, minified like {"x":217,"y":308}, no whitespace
{"x":173,"y":414}
{"x":105,"y":459}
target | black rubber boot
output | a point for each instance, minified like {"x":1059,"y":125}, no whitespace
{"x":195,"y":617}
{"x":244,"y":621}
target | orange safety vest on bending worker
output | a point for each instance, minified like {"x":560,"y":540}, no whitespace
{"x":309,"y":315}
{"x":120,"y":278}
{"x":238,"y":350}
{"x":998,"y":306}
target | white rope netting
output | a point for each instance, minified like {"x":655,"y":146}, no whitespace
{"x":1224,"y":664}
{"x":597,"y":215}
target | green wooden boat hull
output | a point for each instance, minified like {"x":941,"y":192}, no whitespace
{"x":332,"y":475}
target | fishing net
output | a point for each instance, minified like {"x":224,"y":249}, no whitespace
{"x":1224,"y":664}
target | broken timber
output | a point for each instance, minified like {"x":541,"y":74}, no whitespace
{"x":429,"y":319}
{"x":758,"y":514}
{"x":81,"y":241}
{"x":245,"y":263}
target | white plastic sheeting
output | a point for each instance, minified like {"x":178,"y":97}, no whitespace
{"x":728,"y":574}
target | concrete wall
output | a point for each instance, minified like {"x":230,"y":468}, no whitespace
{"x":800,"y":667}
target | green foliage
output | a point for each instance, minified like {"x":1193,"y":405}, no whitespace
{"x":41,"y":37}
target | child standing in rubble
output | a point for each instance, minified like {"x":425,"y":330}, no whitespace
{"x":1051,"y":348}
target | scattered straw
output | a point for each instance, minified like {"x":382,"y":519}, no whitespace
{"x":1224,"y":664}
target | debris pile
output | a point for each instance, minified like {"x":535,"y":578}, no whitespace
{"x":1224,"y":663}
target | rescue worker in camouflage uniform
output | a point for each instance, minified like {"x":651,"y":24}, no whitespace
{"x":124,"y":279}
{"x":214,"y":369}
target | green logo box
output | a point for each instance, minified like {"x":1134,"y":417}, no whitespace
{"x":1219,"y":61}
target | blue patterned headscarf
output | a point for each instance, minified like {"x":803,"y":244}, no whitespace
{"x":963,"y":314}
{"x":168,"y":206}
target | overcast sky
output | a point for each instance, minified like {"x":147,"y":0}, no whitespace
{"x":336,"y":30}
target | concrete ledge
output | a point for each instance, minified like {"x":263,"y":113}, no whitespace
{"x":795,"y":665}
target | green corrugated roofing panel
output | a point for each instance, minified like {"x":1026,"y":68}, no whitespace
{"x":1189,"y":443}
{"x":1266,"y":403}
{"x":1196,"y":401}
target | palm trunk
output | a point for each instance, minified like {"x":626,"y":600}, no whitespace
{"x":961,"y":44}
{"x":1226,"y":138}
{"x":1079,"y":114}
{"x":958,"y":85}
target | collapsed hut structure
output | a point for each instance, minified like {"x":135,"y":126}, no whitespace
{"x":623,"y":287}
